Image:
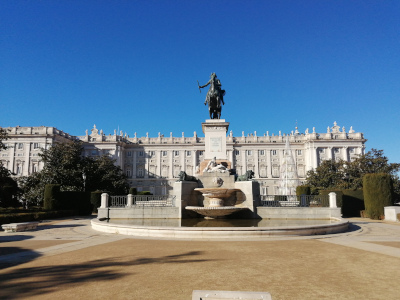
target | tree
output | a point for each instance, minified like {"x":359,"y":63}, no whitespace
{"x":3,"y":137}
{"x":328,"y":175}
{"x":349,"y":175}
{"x":65,"y":165}
{"x":8,"y":186}
{"x":102,"y":174}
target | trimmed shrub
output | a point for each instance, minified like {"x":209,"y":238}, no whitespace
{"x":8,"y":196}
{"x":378,"y":193}
{"x":303,"y":190}
{"x":34,"y":216}
{"x":133,"y":191}
{"x":51,"y":196}
{"x":79,"y":201}
{"x":95,"y":199}
{"x":353,"y":203}
{"x":144,"y":193}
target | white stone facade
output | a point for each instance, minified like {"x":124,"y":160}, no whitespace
{"x":153,"y":163}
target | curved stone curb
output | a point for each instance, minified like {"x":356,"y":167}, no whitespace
{"x":215,"y":233}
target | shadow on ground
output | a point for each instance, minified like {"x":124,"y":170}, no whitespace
{"x":353,"y":227}
{"x":15,"y":238}
{"x":33,"y":281}
{"x":55,"y":226}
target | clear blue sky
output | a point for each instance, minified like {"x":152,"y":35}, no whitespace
{"x":134,"y":65}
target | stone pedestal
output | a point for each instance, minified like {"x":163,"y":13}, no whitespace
{"x":185,"y":196}
{"x":248,"y":197}
{"x":215,"y":138}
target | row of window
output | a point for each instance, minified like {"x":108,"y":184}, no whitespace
{"x":189,"y":153}
{"x":335,"y":150}
{"x":262,"y":152}
{"x":163,"y":153}
{"x":21,"y":145}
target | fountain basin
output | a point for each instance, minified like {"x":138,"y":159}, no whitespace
{"x":220,"y":233}
{"x":215,"y":212}
{"x":214,"y":203}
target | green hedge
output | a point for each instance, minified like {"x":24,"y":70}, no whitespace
{"x":133,"y":191}
{"x":51,"y":197}
{"x":303,"y":190}
{"x":95,"y":199}
{"x":8,"y":196}
{"x":69,"y":200}
{"x":353,"y":203}
{"x":378,"y":193}
{"x":145,"y":193}
{"x":34,"y":216}
{"x":79,"y":201}
{"x":350,"y":201}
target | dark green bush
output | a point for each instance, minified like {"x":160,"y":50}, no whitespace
{"x":353,"y":203}
{"x":144,"y":193}
{"x":280,"y":198}
{"x":133,"y":191}
{"x":51,"y":197}
{"x":378,"y":193}
{"x":95,"y":199}
{"x":303,"y":190}
{"x":34,"y":216}
{"x":79,"y":201}
{"x":8,"y":196}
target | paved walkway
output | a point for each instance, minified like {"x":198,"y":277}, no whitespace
{"x":67,"y":259}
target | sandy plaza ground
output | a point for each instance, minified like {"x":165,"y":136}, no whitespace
{"x":67,"y":259}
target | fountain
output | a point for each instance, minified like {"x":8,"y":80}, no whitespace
{"x":214,"y":203}
{"x":214,"y":194}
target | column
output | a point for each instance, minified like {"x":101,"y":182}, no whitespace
{"x":346,"y":153}
{"x":230,"y":157}
{"x":183,"y":159}
{"x":12,"y":157}
{"x":134,"y":158}
{"x":25,"y":171}
{"x":269,"y":170}
{"x":330,"y":154}
{"x":194,"y":161}
{"x":171,"y":164}
{"x":146,"y":165}
{"x":315,"y":160}
{"x":244,"y":162}
{"x":158,"y":162}
{"x":256,"y":169}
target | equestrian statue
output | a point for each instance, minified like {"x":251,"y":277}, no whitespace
{"x":215,"y":96}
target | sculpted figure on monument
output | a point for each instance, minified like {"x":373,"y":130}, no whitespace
{"x":212,"y":167}
{"x":215,"y":96}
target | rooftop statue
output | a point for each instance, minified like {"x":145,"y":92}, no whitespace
{"x":215,"y":96}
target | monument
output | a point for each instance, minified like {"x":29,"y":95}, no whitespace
{"x":221,"y":196}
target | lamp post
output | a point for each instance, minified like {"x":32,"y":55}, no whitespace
{"x":84,"y":181}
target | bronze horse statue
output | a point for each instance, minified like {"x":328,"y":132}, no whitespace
{"x":214,"y":107}
{"x":215,"y":96}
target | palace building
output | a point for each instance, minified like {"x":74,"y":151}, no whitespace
{"x":153,"y":163}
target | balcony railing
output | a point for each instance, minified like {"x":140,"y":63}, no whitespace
{"x":295,"y":201}
{"x":143,"y":201}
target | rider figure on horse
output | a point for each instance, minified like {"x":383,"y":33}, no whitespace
{"x":214,"y":92}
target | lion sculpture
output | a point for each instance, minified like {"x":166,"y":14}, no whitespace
{"x":246,"y":177}
{"x":185,"y":177}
